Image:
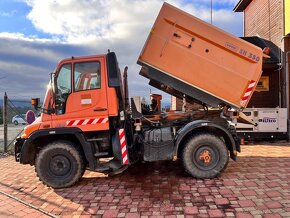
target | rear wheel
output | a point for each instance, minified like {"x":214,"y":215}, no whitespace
{"x":60,"y":164}
{"x":205,"y":156}
{"x":15,"y":122}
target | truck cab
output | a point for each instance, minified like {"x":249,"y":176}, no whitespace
{"x":83,"y":101}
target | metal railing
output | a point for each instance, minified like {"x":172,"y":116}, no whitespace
{"x":9,"y":131}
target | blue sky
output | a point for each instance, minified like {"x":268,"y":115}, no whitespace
{"x":13,"y":18}
{"x":36,"y":34}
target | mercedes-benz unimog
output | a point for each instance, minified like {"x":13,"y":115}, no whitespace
{"x":87,"y":121}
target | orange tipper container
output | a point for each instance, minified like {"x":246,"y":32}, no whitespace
{"x":185,"y":55}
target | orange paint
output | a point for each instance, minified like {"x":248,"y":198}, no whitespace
{"x":201,"y":55}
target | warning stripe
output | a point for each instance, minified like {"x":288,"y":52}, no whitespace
{"x":123,"y":146}
{"x":86,"y":121}
{"x":248,"y":92}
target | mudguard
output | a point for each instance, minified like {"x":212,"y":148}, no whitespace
{"x":206,"y":126}
{"x":29,"y":149}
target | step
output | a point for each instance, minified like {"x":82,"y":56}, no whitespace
{"x":97,"y":140}
{"x":101,"y":154}
{"x":102,"y":168}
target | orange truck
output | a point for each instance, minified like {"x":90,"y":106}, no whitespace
{"x":88,"y":123}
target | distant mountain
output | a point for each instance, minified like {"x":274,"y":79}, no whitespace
{"x":19,"y":103}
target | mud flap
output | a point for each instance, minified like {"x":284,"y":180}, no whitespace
{"x":120,"y":147}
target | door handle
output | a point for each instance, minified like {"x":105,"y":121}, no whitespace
{"x":100,"y":109}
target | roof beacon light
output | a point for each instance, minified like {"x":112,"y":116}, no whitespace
{"x":266,"y":52}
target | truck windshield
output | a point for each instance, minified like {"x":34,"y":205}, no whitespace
{"x":63,"y":88}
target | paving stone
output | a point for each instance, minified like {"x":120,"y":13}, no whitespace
{"x":132,"y":215}
{"x":190,"y":210}
{"x":243,"y":215}
{"x":221,"y":201}
{"x":246,"y":203}
{"x":272,"y":216}
{"x":258,"y":185}
{"x":273,"y":205}
{"x":273,"y":194}
{"x":110,"y":213}
{"x":215,"y":213}
{"x":248,"y":193}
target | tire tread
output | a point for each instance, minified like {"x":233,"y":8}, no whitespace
{"x":70,"y":148}
{"x":197,"y":173}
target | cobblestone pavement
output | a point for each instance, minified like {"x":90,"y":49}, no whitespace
{"x":12,"y":208}
{"x":258,"y":185}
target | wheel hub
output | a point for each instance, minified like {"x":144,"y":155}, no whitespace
{"x":205,"y":156}
{"x":59,"y":165}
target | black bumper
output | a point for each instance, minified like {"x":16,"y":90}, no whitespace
{"x":17,"y":147}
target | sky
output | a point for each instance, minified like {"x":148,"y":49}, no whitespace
{"x":35,"y":35}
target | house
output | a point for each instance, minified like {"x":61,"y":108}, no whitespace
{"x":268,"y":22}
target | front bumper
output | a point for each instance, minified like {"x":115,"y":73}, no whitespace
{"x":17,"y":147}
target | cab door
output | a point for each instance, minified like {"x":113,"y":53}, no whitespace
{"x":85,"y":103}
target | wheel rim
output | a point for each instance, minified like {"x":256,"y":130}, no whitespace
{"x":60,"y":165}
{"x":205,"y":157}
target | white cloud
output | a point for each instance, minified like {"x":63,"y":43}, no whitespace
{"x":93,"y":26}
{"x":19,"y":68}
{"x":30,"y":38}
{"x":7,"y":13}
{"x":221,"y":2}
{"x":78,"y":21}
{"x":83,"y":21}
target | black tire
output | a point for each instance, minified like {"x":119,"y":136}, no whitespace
{"x":60,"y":164}
{"x":205,"y":156}
{"x":15,"y":122}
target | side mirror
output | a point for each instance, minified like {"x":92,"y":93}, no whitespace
{"x":35,"y":103}
{"x":54,"y":83}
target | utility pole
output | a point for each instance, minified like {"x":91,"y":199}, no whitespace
{"x":5,"y":120}
{"x":210,"y":11}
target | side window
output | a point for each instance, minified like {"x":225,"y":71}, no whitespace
{"x":87,"y":76}
{"x":63,"y":88}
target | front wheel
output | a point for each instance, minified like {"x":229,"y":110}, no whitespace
{"x":60,"y":164}
{"x":205,"y":156}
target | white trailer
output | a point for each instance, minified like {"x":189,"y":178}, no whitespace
{"x":269,"y":123}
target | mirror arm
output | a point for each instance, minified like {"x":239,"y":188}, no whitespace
{"x":48,"y":111}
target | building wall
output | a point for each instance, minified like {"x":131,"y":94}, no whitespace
{"x":287,"y":31}
{"x":265,"y":19}
{"x":287,"y":16}
{"x":176,"y":104}
{"x":267,"y":99}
